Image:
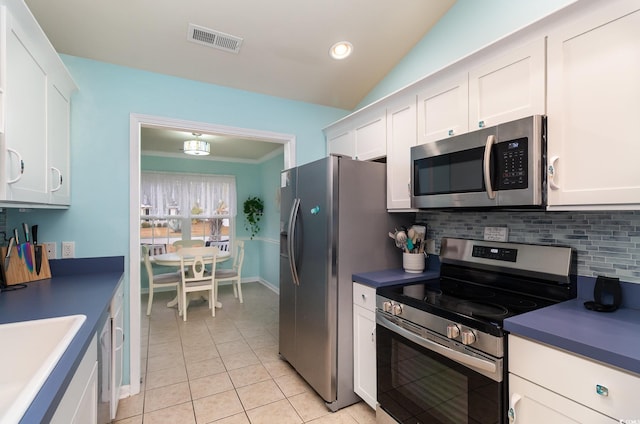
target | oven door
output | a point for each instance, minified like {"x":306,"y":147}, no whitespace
{"x":416,"y":384}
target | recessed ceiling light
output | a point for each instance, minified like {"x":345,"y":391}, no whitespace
{"x":341,"y":50}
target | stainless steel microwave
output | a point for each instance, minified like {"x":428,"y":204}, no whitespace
{"x":500,"y":166}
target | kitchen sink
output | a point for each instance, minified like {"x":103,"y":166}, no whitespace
{"x":30,"y":350}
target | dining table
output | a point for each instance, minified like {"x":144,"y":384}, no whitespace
{"x":172,"y":259}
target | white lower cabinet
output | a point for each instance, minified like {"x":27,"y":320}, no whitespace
{"x":79,"y":405}
{"x":550,"y":385}
{"x":364,"y":343}
{"x":532,"y":404}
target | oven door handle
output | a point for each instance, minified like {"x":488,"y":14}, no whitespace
{"x":438,"y":348}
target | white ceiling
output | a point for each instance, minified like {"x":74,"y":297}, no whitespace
{"x":285,"y":45}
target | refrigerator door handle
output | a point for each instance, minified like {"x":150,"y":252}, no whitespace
{"x":293,"y":217}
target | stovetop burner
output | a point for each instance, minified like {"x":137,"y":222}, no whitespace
{"x":483,"y":310}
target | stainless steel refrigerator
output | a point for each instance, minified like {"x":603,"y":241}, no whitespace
{"x":333,"y":223}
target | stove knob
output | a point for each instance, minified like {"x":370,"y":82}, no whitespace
{"x":468,"y":337}
{"x":386,"y":306}
{"x":453,"y":331}
{"x":397,"y":309}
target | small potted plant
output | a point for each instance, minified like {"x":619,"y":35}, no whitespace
{"x":253,"y":209}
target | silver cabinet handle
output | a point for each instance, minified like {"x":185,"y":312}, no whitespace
{"x":551,"y":173}
{"x":515,"y":398}
{"x":59,"y":186}
{"x":486,"y":170}
{"x":19,"y":176}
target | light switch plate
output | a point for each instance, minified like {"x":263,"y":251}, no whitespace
{"x":496,"y":233}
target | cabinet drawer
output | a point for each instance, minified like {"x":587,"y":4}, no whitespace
{"x":576,"y":377}
{"x":364,"y":296}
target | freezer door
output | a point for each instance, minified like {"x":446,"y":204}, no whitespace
{"x":316,"y":298}
{"x":287,"y":287}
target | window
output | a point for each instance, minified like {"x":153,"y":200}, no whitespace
{"x":185,"y":206}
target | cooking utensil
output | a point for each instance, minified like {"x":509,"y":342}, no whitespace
{"x":18,"y":245}
{"x":7,"y":257}
{"x":401,"y":240}
{"x":28,"y":255}
{"x":37,"y":248}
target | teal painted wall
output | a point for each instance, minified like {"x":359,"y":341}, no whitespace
{"x":270,"y":234}
{"x":468,"y":26}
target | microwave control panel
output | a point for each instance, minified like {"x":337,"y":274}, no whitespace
{"x":512,"y":164}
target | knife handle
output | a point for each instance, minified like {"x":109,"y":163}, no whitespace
{"x":34,"y":234}
{"x":15,"y":235}
{"x":26,"y":232}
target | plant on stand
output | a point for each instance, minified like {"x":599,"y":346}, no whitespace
{"x":253,"y":210}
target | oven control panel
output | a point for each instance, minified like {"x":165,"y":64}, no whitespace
{"x":496,"y":253}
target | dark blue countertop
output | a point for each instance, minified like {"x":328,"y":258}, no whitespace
{"x":609,"y":337}
{"x":390,"y":277}
{"x":79,"y":286}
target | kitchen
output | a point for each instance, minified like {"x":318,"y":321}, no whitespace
{"x":109,"y":93}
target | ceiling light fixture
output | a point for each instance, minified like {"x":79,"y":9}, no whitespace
{"x":197,"y":147}
{"x":341,"y":50}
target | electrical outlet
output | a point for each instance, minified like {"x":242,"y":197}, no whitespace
{"x":50,"y":247}
{"x":68,"y":249}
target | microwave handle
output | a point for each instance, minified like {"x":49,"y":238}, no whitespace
{"x":491,"y":140}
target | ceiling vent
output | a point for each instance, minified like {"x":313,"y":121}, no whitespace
{"x":216,"y":39}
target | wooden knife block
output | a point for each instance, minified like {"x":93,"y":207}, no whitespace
{"x":18,"y":272}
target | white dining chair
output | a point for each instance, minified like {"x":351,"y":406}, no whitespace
{"x":234,"y":274}
{"x":170,"y":279}
{"x":194,"y":276}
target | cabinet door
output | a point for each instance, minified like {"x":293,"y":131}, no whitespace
{"x":508,"y":87}
{"x":371,"y":138}
{"x":58,"y":180}
{"x":443,"y":109}
{"x":364,"y":353}
{"x":341,"y":143}
{"x":532,"y":404}
{"x":25,"y":124}
{"x":593,"y":109}
{"x":401,"y":136}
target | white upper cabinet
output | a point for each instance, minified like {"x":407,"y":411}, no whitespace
{"x":35,"y":92}
{"x":594,"y":105}
{"x":341,"y":141}
{"x":59,"y":165}
{"x":443,"y":109}
{"x":371,"y":138}
{"x":401,"y":136}
{"x":508,"y":87}
{"x":25,"y":104}
{"x":363,"y":138}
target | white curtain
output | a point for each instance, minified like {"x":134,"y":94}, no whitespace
{"x":188,"y":195}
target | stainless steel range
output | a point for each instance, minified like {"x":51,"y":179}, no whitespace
{"x":440,"y":344}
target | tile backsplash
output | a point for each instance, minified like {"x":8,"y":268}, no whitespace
{"x":607,"y":243}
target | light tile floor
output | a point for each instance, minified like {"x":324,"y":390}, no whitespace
{"x":223,"y":369}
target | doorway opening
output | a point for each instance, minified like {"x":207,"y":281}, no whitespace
{"x":136,"y":123}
